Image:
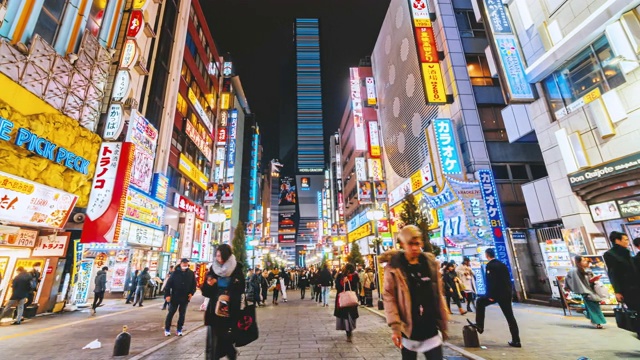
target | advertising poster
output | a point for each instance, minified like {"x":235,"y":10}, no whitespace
{"x":629,"y":207}
{"x":288,"y":195}
{"x":305,"y":183}
{"x":83,"y":284}
{"x":286,"y":223}
{"x":575,"y":242}
{"x":356,"y":106}
{"x":364,"y":192}
{"x":598,"y":267}
{"x":381,"y":190}
{"x":477,"y":220}
{"x":119,"y":276}
{"x":211,"y":195}
{"x":145,"y":137}
{"x":604,"y":211}
{"x":227,"y":193}
{"x":142,"y":209}
{"x":160,"y":187}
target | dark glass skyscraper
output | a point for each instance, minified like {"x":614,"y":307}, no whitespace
{"x":309,"y":97}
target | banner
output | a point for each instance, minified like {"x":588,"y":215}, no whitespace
{"x":447,"y":146}
{"x":381,"y":190}
{"x":227,"y":193}
{"x":477,"y":220}
{"x":364,"y":192}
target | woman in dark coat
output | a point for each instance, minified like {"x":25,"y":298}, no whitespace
{"x":346,"y":317}
{"x":225,"y":278}
{"x":452,"y":287}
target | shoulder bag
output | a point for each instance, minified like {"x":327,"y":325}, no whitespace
{"x":347,"y":298}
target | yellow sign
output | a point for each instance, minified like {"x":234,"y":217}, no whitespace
{"x":139,"y":4}
{"x":434,"y":83}
{"x":224,"y":101}
{"x":416,"y":181}
{"x":359,"y":233}
{"x":592,"y":95}
{"x":192,"y":172}
{"x":422,"y":22}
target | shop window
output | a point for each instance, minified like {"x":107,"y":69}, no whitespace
{"x":538,"y":171}
{"x":479,"y":71}
{"x":468,"y":25}
{"x":500,"y":172}
{"x":48,"y":21}
{"x":591,"y":70}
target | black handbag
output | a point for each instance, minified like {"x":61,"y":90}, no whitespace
{"x":626,"y":318}
{"x":246,"y":327}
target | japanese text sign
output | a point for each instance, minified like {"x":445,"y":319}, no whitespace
{"x":144,"y":210}
{"x":51,"y":245}
{"x":356,"y":106}
{"x":498,"y":18}
{"x":374,"y":139}
{"x":104,"y":179}
{"x":187,"y":205}
{"x":447,"y":147}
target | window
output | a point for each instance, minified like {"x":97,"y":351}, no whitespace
{"x":538,"y":171}
{"x":191,"y":45}
{"x":96,"y":16}
{"x":500,"y":172}
{"x":181,"y":105}
{"x":492,"y":123}
{"x":468,"y":25}
{"x":591,"y":70}
{"x":49,"y":19}
{"x":479,"y":71}
{"x":519,"y":172}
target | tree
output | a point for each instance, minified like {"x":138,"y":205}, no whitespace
{"x":239,"y":245}
{"x":412,"y":215}
{"x":355,"y":257}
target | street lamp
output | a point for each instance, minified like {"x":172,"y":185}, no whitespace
{"x":253,"y":244}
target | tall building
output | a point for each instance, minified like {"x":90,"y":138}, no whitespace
{"x":310,"y":136}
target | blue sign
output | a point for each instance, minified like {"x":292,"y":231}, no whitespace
{"x":160,"y":187}
{"x":498,"y":18}
{"x":43,"y":147}
{"x":481,"y":286}
{"x":447,"y":147}
{"x":253,"y":178}
{"x":494,"y":210}
{"x":513,"y":67}
{"x":233,"y":129}
{"x":444,"y":197}
{"x":357,"y":221}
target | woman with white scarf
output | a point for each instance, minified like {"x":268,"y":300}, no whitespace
{"x":581,"y":281}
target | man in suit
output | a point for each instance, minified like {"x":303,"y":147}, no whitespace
{"x":498,"y":291}
{"x":622,"y":271}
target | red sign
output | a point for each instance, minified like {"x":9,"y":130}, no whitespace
{"x":136,"y":22}
{"x":50,"y":270}
{"x":426,"y":45}
{"x":222,"y":135}
{"x":383,"y":226}
{"x":187,"y":205}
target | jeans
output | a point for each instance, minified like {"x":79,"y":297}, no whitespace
{"x":173,"y":307}
{"x":455,"y":299}
{"x":97,"y":299}
{"x":325,"y":295}
{"x":139,"y":295}
{"x":433,"y":354}
{"x":507,"y":311}
{"x":303,"y":290}
{"x":19,"y":305}
{"x":132,"y":293}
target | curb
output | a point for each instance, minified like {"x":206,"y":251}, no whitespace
{"x":460,"y":350}
{"x":151,"y":350}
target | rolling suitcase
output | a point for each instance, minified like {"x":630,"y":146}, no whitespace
{"x":470,"y":335}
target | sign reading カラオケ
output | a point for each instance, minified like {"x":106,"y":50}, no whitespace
{"x":447,"y":147}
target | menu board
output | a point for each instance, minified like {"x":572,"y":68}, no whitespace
{"x":557,"y":260}
{"x":119,"y":276}
{"x":30,"y":203}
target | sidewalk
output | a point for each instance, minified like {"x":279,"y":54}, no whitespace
{"x":546,"y":334}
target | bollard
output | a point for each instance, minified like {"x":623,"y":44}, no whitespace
{"x":123,"y":343}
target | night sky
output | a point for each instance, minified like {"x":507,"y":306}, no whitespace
{"x":259,"y":36}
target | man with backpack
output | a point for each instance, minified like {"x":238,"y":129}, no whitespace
{"x":99,"y":289}
{"x":36,"y":277}
{"x":143,"y":280}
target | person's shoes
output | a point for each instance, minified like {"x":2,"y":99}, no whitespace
{"x":16,"y":323}
{"x":515,"y":344}
{"x":164,"y":308}
{"x":140,"y":305}
{"x":462,"y":312}
{"x":128,"y":302}
{"x":179,"y":332}
{"x":469,"y":310}
{"x":285,"y":300}
{"x":167,"y":333}
{"x":134,"y":304}
{"x":349,"y":338}
{"x":478,"y":329}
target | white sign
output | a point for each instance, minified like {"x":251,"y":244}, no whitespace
{"x":356,"y":105}
{"x":375,"y":169}
{"x":145,"y":137}
{"x":361,"y":169}
{"x":114,"y":124}
{"x":104,"y":179}
{"x":201,"y":142}
{"x":129,"y":54}
{"x":371,"y":92}
{"x":203,"y":114}
{"x":427,"y":175}
{"x":396,"y":195}
{"x":220,"y":151}
{"x":50,"y":245}
{"x":227,"y":68}
{"x":187,"y":235}
{"x":121,"y":85}
{"x":136,"y":234}
{"x":207,"y":231}
{"x":30,"y":203}
{"x":374,"y":139}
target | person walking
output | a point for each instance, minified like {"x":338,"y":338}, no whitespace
{"x":274,"y":280}
{"x":224,"y":287}
{"x":284,"y":283}
{"x":303,"y":283}
{"x":132,"y":287}
{"x":346,"y":316}
{"x":452,"y":287}
{"x":143,"y":280}
{"x":368,"y":285}
{"x":164,"y":284}
{"x":312,"y":282}
{"x":20,"y":286}
{"x":36,"y":278}
{"x":360,"y":291}
{"x":318,"y":289}
{"x":180,"y":288}
{"x":99,"y":289}
{"x":468,"y":280}
{"x":264,"y":287}
{"x":255,"y":281}
{"x":413,"y":302}
{"x":581,"y":281}
{"x":325,"y":280}
{"x":624,"y":276}
{"x":498,"y":291}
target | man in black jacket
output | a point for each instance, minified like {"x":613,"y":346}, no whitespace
{"x":21,"y":286}
{"x":498,"y":291}
{"x":178,"y":292}
{"x":622,"y":271}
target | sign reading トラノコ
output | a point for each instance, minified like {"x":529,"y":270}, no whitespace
{"x":30,"y":203}
{"x":447,"y":147}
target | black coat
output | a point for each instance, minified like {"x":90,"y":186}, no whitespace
{"x":498,"y":281}
{"x":325,"y":278}
{"x":343,"y":313}
{"x":235,"y":291}
{"x":21,"y":286}
{"x":180,"y":285}
{"x":622,"y":271}
{"x":450,"y":288}
{"x":303,"y":281}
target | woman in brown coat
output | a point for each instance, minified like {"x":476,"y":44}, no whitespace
{"x":413,"y":303}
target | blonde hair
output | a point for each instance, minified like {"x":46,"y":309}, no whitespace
{"x":409,"y":232}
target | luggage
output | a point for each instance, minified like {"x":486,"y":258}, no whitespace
{"x":470,"y":335}
{"x":626,"y":318}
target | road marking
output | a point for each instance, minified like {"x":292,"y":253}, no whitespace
{"x":32,"y":332}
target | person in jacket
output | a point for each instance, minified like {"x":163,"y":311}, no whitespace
{"x":325,"y":280}
{"x":318,"y":287}
{"x":224,"y":287}
{"x":36,"y":277}
{"x":284,"y":283}
{"x":164,"y":284}
{"x":452,"y":287}
{"x":636,"y":259}
{"x":360,"y":290}
{"x":622,"y":271}
{"x":413,"y":303}
{"x":133,"y":287}
{"x":346,"y":316}
{"x":178,"y":291}
{"x":312,"y":282}
{"x":580,"y":280}
{"x":274,"y":280}
{"x":143,"y":280}
{"x":20,"y":286}
{"x":498,"y":291}
{"x":255,"y":281}
{"x":468,"y":280}
{"x":264,"y":287}
{"x":99,"y":289}
{"x":368,"y":285}
{"x":303,"y":282}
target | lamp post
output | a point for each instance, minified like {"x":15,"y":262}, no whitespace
{"x":253,"y":244}
{"x":374,"y":215}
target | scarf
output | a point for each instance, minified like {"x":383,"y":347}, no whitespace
{"x":226,"y":269}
